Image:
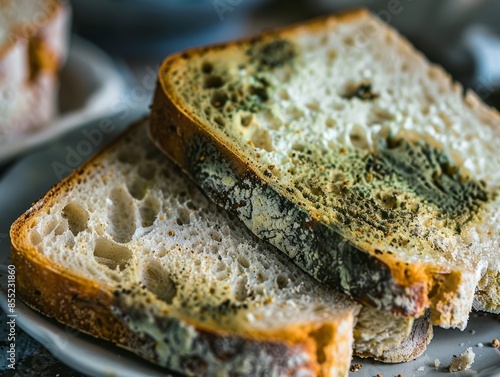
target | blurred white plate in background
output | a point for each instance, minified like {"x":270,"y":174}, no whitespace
{"x":89,"y":86}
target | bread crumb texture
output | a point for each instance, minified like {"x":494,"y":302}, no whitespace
{"x":351,"y":124}
{"x":211,"y":298}
{"x":462,"y":362}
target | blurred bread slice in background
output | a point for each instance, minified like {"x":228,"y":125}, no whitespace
{"x":33,"y":45}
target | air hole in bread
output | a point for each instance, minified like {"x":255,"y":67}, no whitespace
{"x":157,"y":280}
{"x":358,"y":138}
{"x":76,"y":216}
{"x":184,"y":216}
{"x":129,"y":156}
{"x":317,"y":191}
{"x":222,"y":275}
{"x":147,"y":171}
{"x":284,"y":95}
{"x":282,"y":281}
{"x":207,"y":67}
{"x":313,"y":106}
{"x":330,"y":123}
{"x":388,"y":200}
{"x":219,"y":99}
{"x":243,"y":262}
{"x":262,"y":276}
{"x":446,"y":119}
{"x":121,"y":215}
{"x":49,"y":226}
{"x":349,"y":41}
{"x":338,"y":106}
{"x":294,"y":113}
{"x":260,"y":92}
{"x":361,"y":90}
{"x":298,"y":147}
{"x":111,"y":255}
{"x":215,"y":236}
{"x":379,"y":115}
{"x":35,"y":237}
{"x":213,"y":82}
{"x":149,"y":210}
{"x":191,"y":206}
{"x":240,"y":288}
{"x":137,"y":187}
{"x":262,"y":140}
{"x":358,"y":141}
{"x":225,"y":231}
{"x":60,"y":229}
{"x":220,"y":122}
{"x":265,"y":264}
{"x":331,"y":55}
{"x":246,"y":120}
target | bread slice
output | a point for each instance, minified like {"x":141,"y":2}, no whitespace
{"x":33,"y":45}
{"x":346,"y":149}
{"x":128,"y":250}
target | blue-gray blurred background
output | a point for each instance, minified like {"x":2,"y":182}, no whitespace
{"x":461,"y":35}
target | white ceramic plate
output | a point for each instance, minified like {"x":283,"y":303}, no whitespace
{"x":89,"y":85}
{"x":33,"y":176}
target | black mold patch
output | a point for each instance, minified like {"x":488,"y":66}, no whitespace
{"x":273,"y":54}
{"x":323,"y":251}
{"x":429,"y":174}
{"x":363,"y":91}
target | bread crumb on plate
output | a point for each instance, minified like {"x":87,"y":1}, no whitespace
{"x":462,"y":362}
{"x":356,"y":367}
